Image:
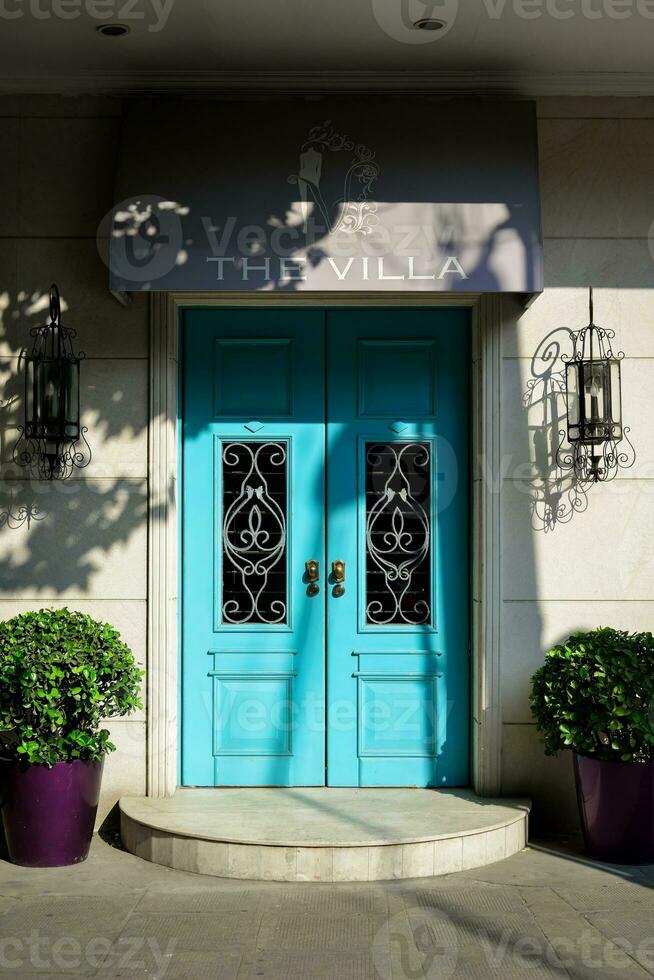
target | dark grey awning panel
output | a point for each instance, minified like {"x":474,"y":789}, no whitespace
{"x":332,"y":194}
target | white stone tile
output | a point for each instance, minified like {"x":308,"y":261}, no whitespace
{"x":385,"y":863}
{"x":68,"y":106}
{"x":9,"y":105}
{"x":114,"y":403}
{"x":136,"y":837}
{"x":104,"y":327}
{"x":549,"y":782}
{"x":636,"y":193}
{"x":580,"y":162}
{"x":583,"y":163}
{"x":570,"y":563}
{"x":448,"y":855}
{"x":495,"y":845}
{"x":9,"y":167}
{"x":587,"y":107}
{"x":9,"y":310}
{"x":212,"y":858}
{"x":114,"y":397}
{"x":161,"y":848}
{"x":555,"y":311}
{"x":473,"y":851}
{"x":90,"y":541}
{"x":245,"y":861}
{"x":279,"y":863}
{"x":350,"y":864}
{"x":628,"y":312}
{"x":67,"y":169}
{"x":184,"y":854}
{"x":516,"y":837}
{"x":418,"y":860}
{"x":530,"y":629}
{"x":124,"y":769}
{"x":315,"y":864}
{"x":610,"y":262}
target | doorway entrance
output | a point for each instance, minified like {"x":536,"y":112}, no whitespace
{"x":325,"y":547}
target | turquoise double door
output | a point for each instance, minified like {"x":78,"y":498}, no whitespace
{"x":325,"y":547}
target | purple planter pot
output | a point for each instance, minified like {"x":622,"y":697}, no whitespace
{"x":616,"y":804}
{"x":49,"y":814}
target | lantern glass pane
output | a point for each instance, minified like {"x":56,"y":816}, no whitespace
{"x":572,"y":382}
{"x":29,"y":391}
{"x":72,"y":398}
{"x":616,"y":394}
{"x":595,"y":392}
{"x":49,"y":392}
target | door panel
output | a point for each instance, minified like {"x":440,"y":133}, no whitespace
{"x":397,"y":504}
{"x":254,"y":638}
{"x":269,"y":411}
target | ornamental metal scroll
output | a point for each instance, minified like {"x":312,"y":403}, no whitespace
{"x":398,"y":534}
{"x":558,"y":492}
{"x":254,"y":533}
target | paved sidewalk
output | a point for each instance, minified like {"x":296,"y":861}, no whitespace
{"x":547,"y":912}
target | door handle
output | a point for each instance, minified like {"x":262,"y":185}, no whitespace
{"x":338,"y":577}
{"x":312,"y":576}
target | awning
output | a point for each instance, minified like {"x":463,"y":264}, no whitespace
{"x":394,"y":193}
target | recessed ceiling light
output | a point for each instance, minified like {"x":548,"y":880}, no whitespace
{"x":429,"y":24}
{"x":113,"y":30}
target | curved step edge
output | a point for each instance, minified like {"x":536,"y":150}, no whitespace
{"x":380,"y":862}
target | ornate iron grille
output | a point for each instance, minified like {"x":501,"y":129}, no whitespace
{"x":254,"y":574}
{"x":398,"y":534}
{"x":52,"y":443}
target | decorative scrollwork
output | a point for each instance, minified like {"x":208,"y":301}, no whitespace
{"x":359,"y":212}
{"x":596,"y":464}
{"x":24,"y":514}
{"x":48,"y":460}
{"x":398,"y":534}
{"x":52,"y":443}
{"x":254,"y":532}
{"x":564,"y":473}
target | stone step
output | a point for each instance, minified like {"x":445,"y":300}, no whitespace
{"x":323,"y":834}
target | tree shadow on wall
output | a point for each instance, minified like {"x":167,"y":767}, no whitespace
{"x":56,"y":536}
{"x":67,"y":539}
{"x":556,"y":494}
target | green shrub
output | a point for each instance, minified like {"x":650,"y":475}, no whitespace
{"x":595,"y":694}
{"x":61,"y":673}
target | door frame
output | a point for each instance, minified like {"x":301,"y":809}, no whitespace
{"x":164,"y":432}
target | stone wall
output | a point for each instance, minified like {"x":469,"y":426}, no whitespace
{"x":598,"y":568}
{"x":89,"y":550}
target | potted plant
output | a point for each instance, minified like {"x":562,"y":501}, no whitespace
{"x":595,"y":695}
{"x":61,"y":674}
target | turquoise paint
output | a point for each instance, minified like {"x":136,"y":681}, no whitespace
{"x":234,"y":677}
{"x":399,"y":375}
{"x":397,"y":696}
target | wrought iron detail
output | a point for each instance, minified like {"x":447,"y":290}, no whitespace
{"x":52,"y":443}
{"x":398,"y":534}
{"x":567,"y":462}
{"x":593,"y":466}
{"x":592,"y":445}
{"x":254,"y":533}
{"x":555,"y":496}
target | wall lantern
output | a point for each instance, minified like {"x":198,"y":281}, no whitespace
{"x":594,"y":407}
{"x":52,"y":443}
